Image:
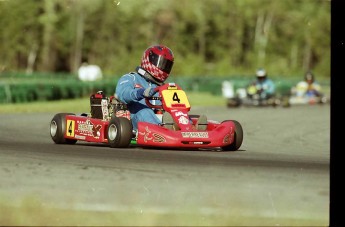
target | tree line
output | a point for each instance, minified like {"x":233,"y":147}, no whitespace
{"x":208,"y":37}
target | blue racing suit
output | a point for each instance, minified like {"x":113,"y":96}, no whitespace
{"x":265,"y":87}
{"x":127,"y":92}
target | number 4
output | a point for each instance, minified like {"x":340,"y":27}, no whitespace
{"x":70,"y":128}
{"x":176,"y":98}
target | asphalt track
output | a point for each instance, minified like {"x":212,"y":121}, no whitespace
{"x":280,"y":175}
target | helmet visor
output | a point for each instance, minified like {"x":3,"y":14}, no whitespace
{"x":162,"y":63}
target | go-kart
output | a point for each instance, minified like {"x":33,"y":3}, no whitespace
{"x":309,"y":99}
{"x":252,"y":96}
{"x":310,"y":94}
{"x":109,"y":122}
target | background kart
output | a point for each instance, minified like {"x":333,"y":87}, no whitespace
{"x":308,"y":100}
{"x":109,"y":122}
{"x":253,"y":97}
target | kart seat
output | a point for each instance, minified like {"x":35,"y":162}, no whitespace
{"x":119,"y":108}
{"x":168,"y":122}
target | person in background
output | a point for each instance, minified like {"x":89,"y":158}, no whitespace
{"x":88,"y":72}
{"x":262,"y":86}
{"x":132,"y":88}
{"x":308,"y":87}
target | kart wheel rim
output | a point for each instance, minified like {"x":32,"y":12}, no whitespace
{"x":53,"y":128}
{"x":112,"y":132}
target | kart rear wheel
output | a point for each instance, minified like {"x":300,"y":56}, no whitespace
{"x":119,"y":133}
{"x":58,"y":128}
{"x":238,"y":138}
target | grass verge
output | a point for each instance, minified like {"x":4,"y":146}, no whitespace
{"x":33,"y":212}
{"x":82,"y":105}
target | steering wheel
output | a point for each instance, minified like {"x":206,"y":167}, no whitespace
{"x":149,"y":104}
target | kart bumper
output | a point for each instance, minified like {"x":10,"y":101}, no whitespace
{"x":216,"y":135}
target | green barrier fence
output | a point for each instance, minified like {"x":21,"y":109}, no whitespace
{"x":41,"y":87}
{"x":48,"y":90}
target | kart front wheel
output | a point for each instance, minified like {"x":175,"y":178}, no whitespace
{"x":238,"y":138}
{"x":233,"y":102}
{"x":285,"y":101}
{"x":58,"y":129}
{"x":119,"y":132}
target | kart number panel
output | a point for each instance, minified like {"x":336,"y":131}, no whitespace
{"x":173,"y":97}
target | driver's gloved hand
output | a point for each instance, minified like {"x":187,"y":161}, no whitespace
{"x":146,"y":93}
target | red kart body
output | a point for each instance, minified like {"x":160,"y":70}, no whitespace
{"x":86,"y":129}
{"x":115,"y":128}
{"x":216,"y":135}
{"x":176,"y":103}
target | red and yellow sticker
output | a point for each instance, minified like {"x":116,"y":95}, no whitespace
{"x":172,"y":97}
{"x":70,"y":128}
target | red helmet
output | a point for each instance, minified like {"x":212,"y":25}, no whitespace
{"x":158,"y":61}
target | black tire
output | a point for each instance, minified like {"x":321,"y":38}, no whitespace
{"x":119,"y":133}
{"x":58,"y":128}
{"x":238,"y":138}
{"x":233,"y":102}
{"x":323,"y":99}
{"x":286,"y":101}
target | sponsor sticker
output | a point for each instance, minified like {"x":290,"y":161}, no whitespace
{"x":105,"y":112}
{"x":89,"y":129}
{"x":80,"y":137}
{"x":183,"y":120}
{"x":123,"y":113}
{"x":180,"y":113}
{"x":194,"y":134}
{"x":198,"y":143}
{"x":157,"y":138}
